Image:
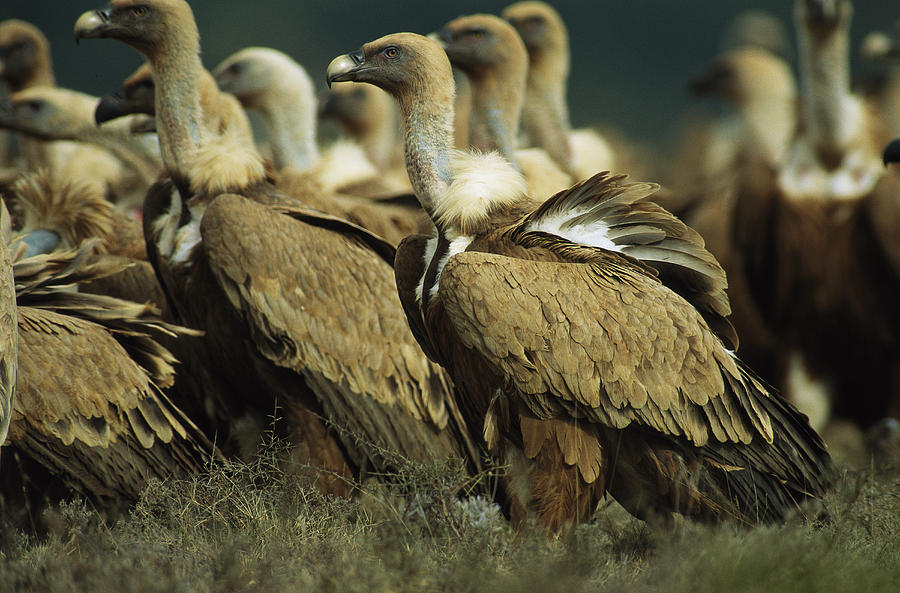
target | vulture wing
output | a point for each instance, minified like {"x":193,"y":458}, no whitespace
{"x":606,"y":342}
{"x":324,"y":304}
{"x":87,"y":410}
{"x":605,"y":212}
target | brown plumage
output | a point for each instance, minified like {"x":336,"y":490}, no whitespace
{"x":299,"y":309}
{"x":588,"y":336}
{"x":735,"y":148}
{"x":8,"y":333}
{"x":815,"y":236}
{"x":89,"y":406}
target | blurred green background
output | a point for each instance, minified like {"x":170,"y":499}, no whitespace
{"x":630,"y":60}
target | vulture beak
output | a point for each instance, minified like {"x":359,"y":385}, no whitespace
{"x":110,"y":106}
{"x":345,"y":67}
{"x":92,"y":24}
{"x":892,"y":152}
{"x":708,"y":83}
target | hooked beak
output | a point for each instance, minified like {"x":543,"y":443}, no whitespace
{"x":345,"y":67}
{"x":891,"y":153}
{"x":92,"y":24}
{"x":110,"y":106}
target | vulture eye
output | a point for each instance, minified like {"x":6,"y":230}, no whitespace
{"x":391,"y":52}
{"x":33,"y":106}
{"x":140,"y":11}
{"x":473,"y":36}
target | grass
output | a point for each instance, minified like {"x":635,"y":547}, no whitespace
{"x":251,"y":527}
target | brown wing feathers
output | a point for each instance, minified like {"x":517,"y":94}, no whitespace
{"x":648,"y":233}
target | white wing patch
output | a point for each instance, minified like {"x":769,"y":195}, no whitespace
{"x":595,"y":234}
{"x":430,"y":248}
{"x":458,"y":244}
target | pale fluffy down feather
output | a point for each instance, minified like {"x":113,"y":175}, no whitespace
{"x":482,"y":183}
{"x":223,"y":165}
{"x":543,"y":177}
{"x":343,"y":164}
{"x":74,"y":210}
{"x":591,"y":153}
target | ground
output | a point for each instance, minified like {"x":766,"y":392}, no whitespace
{"x":250,"y":527}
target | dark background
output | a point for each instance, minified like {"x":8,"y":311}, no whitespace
{"x":629,"y":65}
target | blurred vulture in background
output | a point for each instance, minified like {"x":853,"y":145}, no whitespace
{"x":545,"y":115}
{"x":299,"y":307}
{"x":280,"y":90}
{"x":27,"y":64}
{"x":493,"y":58}
{"x":818,"y":238}
{"x":587,"y":335}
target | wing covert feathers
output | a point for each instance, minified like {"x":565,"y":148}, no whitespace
{"x":610,"y":346}
{"x":637,"y":227}
{"x":344,"y":332}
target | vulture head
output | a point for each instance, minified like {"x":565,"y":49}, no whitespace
{"x":146,"y":25}
{"x":136,"y":95}
{"x":822,"y":18}
{"x":745,"y":75}
{"x":50,"y":113}
{"x":401,"y":64}
{"x":540,"y":26}
{"x":24,"y":52}
{"x":481,"y":44}
{"x":254,"y":73}
{"x":356,"y":106}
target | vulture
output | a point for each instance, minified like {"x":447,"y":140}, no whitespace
{"x":585,"y":333}
{"x":368,"y":115}
{"x":545,"y":115}
{"x":52,"y":113}
{"x":88,"y":405}
{"x":280,"y":90}
{"x":9,"y":337}
{"x":817,"y":237}
{"x":493,"y":58}
{"x":881,"y":53}
{"x":759,"y":87}
{"x":299,"y":307}
{"x":135,"y":96}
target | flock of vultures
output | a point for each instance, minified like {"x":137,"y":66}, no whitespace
{"x":463,"y":275}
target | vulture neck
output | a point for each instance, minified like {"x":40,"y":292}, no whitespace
{"x":497,"y":97}
{"x":178,"y":73}
{"x":116,"y":136}
{"x":831,"y":115}
{"x":771,"y":124}
{"x":546,"y":113}
{"x":426,"y":122}
{"x":288,"y":111}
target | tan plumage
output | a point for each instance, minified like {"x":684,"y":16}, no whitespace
{"x":587,"y":337}
{"x":52,"y":113}
{"x":89,"y":405}
{"x":8,"y":331}
{"x":298,"y":305}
